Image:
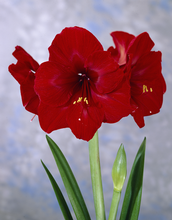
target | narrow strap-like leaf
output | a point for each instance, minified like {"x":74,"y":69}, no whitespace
{"x":132,"y":199}
{"x":69,"y":181}
{"x":63,"y":205}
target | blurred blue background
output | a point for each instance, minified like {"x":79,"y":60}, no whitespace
{"x":25,"y":191}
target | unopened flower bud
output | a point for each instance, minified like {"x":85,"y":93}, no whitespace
{"x":119,"y":170}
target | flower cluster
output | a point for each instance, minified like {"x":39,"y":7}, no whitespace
{"x":82,"y":85}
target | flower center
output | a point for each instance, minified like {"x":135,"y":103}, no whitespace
{"x":85,"y":89}
{"x":83,"y":76}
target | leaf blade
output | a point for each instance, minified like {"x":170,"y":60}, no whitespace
{"x":69,"y":181}
{"x":132,"y":199}
{"x":63,"y":205}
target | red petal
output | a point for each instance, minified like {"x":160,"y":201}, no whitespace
{"x":52,"y":118}
{"x":139,"y":46}
{"x":116,"y":104}
{"x":29,"y":97}
{"x":22,"y":56}
{"x":25,"y":63}
{"x":122,"y":41}
{"x":19,"y":71}
{"x":147,"y":86}
{"x":103,"y":71}
{"x":149,"y":101}
{"x":114,"y":53}
{"x":84,"y":121}
{"x":73,"y":41}
{"x":54,"y":83}
{"x":147,"y":83}
{"x":138,"y":117}
{"x":147,"y":68}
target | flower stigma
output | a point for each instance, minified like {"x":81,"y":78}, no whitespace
{"x":33,"y":118}
{"x":84,"y":76}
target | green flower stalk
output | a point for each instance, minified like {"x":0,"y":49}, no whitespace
{"x":96,"y":177}
{"x":119,"y":172}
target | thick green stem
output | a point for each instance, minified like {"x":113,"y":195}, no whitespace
{"x":114,"y":205}
{"x":96,"y":177}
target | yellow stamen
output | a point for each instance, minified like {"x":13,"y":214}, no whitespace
{"x":79,"y":99}
{"x":151,"y":89}
{"x":85,"y":100}
{"x":145,"y":89}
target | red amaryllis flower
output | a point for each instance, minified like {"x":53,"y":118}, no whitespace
{"x":23,"y":71}
{"x":146,"y":80}
{"x":80,"y":86}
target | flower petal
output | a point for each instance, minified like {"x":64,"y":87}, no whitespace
{"x":147,"y":86}
{"x":122,"y":41}
{"x":84,"y":121}
{"x":114,"y":53}
{"x":52,"y":118}
{"x":30,"y":99}
{"x":54,"y":83}
{"x":103,"y":71}
{"x":138,"y":117}
{"x":73,"y":41}
{"x":148,"y":67}
{"x":147,"y":83}
{"x":139,"y":46}
{"x":25,"y":63}
{"x":22,"y":56}
{"x":116,"y":104}
{"x":22,"y":72}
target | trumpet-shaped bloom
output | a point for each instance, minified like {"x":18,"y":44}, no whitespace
{"x":146,"y":80}
{"x":23,"y":71}
{"x":80,"y":86}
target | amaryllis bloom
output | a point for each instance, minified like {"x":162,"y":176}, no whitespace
{"x":146,"y":80}
{"x":23,"y":71}
{"x":80,"y":86}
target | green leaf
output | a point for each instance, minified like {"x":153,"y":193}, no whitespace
{"x":69,"y":181}
{"x":63,"y":205}
{"x":132,"y":199}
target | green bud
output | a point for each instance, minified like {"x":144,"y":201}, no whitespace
{"x":119,"y":170}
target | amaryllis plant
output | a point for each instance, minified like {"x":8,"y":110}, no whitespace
{"x":80,"y":87}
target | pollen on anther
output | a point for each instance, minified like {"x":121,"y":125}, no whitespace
{"x":79,"y":99}
{"x":145,"y":88}
{"x":85,"y":100}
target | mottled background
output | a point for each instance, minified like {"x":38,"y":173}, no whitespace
{"x":25,"y":191}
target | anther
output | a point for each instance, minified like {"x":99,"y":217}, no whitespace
{"x":145,"y":88}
